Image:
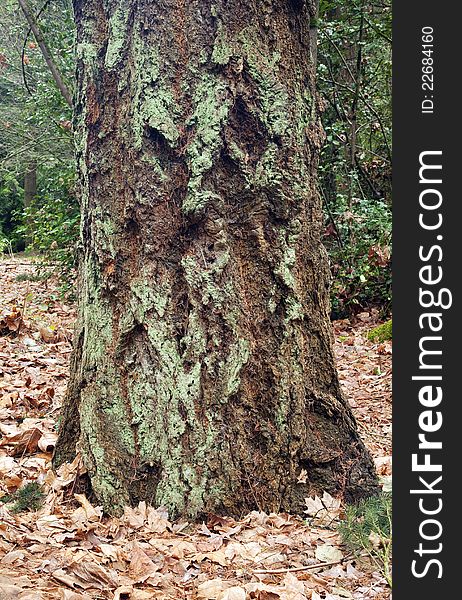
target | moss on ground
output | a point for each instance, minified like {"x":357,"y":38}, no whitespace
{"x":381,"y":333}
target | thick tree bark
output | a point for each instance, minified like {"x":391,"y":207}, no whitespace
{"x":203,"y":377}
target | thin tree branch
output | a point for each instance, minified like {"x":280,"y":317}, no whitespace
{"x":377,"y":30}
{"x":338,"y":237}
{"x":29,"y":31}
{"x":370,"y":107}
{"x":367,"y":179}
{"x":45,"y":51}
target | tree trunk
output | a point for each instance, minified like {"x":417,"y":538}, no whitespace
{"x":30,"y":183}
{"x":30,"y":191}
{"x":203,"y":376}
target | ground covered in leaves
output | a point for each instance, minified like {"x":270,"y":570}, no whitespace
{"x":63,"y":547}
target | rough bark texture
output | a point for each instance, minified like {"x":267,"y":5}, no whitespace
{"x":203,"y":377}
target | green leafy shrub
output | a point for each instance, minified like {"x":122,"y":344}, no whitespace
{"x":5,"y":245}
{"x":359,"y":246}
{"x":381,"y":333}
{"x":367,"y":529}
{"x":354,"y":78}
{"x":10,"y":204}
{"x":35,"y":123}
{"x":51,"y":225}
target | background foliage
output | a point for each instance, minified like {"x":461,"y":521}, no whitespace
{"x":354,"y":77}
{"x":36,"y":131}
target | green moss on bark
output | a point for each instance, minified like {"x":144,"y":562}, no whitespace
{"x":222,"y":50}
{"x":212,"y":103}
{"x":118,"y":25}
{"x":154,"y":105}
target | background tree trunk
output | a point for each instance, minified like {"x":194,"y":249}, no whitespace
{"x":203,"y":377}
{"x":30,"y":191}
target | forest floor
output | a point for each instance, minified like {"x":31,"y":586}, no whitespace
{"x":67,"y":549}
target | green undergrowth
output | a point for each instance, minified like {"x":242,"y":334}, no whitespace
{"x":29,"y":497}
{"x":35,"y":277}
{"x":367,"y":530}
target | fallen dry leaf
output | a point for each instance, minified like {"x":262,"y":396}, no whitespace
{"x":141,"y":566}
{"x":210,"y":589}
{"x":327,"y":553}
{"x":232,"y":593}
{"x":323,"y":510}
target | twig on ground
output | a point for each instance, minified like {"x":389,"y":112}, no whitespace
{"x":296,"y":569}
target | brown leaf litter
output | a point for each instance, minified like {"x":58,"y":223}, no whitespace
{"x":69,"y":550}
